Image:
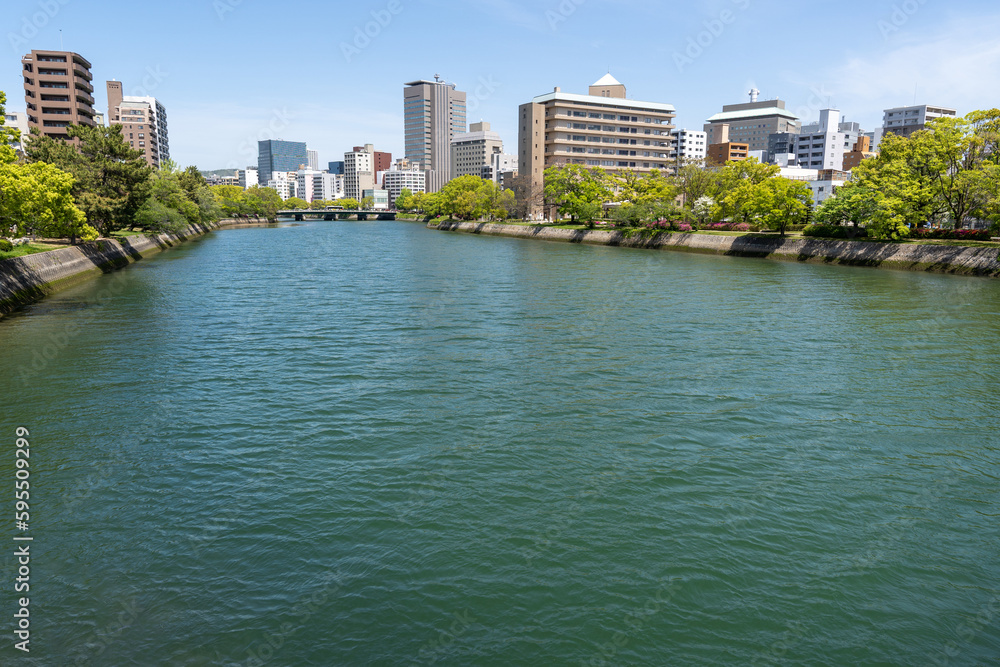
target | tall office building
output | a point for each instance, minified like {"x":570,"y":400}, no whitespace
{"x":277,"y":155}
{"x":601,"y":129}
{"x":313,"y":159}
{"x":751,"y":123}
{"x":433,"y":113}
{"x":57,"y":91}
{"x":143,"y":121}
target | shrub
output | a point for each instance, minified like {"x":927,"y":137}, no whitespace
{"x":960,"y":234}
{"x":824,"y":230}
{"x":88,"y":233}
{"x":5,"y":245}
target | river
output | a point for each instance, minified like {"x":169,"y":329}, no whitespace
{"x":341,"y":443}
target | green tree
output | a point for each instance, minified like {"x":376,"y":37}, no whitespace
{"x":230,"y":199}
{"x":692,"y":183}
{"x":168,"y":208}
{"x":264,"y":202}
{"x":404,"y":201}
{"x":37,"y":199}
{"x":8,"y":135}
{"x":349,"y":203}
{"x":902,"y":180}
{"x":577,"y":192}
{"x":192,"y":181}
{"x":367,"y":203}
{"x":779,"y":202}
{"x":112,"y":180}
{"x":295,"y":203}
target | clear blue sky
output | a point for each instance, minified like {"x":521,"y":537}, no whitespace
{"x":233,"y":71}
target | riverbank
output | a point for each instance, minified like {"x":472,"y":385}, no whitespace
{"x":27,"y":279}
{"x":913,"y":257}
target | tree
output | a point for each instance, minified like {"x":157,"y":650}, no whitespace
{"x":902,"y":181}
{"x":37,"y":199}
{"x":231,"y":200}
{"x":779,"y":202}
{"x":692,"y":183}
{"x":529,"y":196}
{"x":264,"y":201}
{"x":404,"y":201}
{"x":295,"y":203}
{"x":349,"y":203}
{"x":577,"y":192}
{"x":8,"y":135}
{"x":367,"y":203}
{"x":112,"y":180}
{"x":168,"y":208}
{"x":192,"y":181}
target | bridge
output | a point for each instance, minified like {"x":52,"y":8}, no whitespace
{"x":335,"y":214}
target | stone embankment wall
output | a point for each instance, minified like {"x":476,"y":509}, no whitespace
{"x":939,"y":258}
{"x":29,"y":278}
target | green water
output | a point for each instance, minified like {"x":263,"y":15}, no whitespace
{"x":372,"y":443}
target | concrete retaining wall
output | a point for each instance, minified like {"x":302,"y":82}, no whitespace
{"x":29,"y":278}
{"x":914,"y":257}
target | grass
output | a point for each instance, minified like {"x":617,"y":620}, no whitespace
{"x":31,"y":249}
{"x":125,"y":233}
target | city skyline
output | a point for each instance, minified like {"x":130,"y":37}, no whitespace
{"x":237,"y":85}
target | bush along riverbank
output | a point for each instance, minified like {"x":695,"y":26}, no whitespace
{"x":910,"y":256}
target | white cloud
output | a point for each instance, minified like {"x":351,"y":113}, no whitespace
{"x":957,"y":66}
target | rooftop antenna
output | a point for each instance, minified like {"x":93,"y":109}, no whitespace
{"x":753,"y":94}
{"x":437,"y":78}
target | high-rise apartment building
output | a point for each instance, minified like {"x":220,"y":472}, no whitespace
{"x":143,"y":121}
{"x":904,"y":121}
{"x":359,"y":171}
{"x":822,"y":145}
{"x":57,"y":91}
{"x":473,"y":150}
{"x":690,"y":146}
{"x":312,"y":160}
{"x":313,"y":184}
{"x":433,"y":113}
{"x":601,"y":129}
{"x":277,"y":155}
{"x":752,"y":122}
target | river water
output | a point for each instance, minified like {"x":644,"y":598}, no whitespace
{"x":340,"y":443}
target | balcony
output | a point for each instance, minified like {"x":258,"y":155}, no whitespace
{"x":82,"y":73}
{"x":83,"y":83}
{"x":84,"y":97}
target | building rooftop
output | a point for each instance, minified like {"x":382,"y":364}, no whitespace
{"x":751,"y":113}
{"x":607,"y":80}
{"x":603,"y":101}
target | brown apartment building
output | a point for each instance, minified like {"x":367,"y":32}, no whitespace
{"x":601,"y":129}
{"x":143,"y":121}
{"x":57,"y":91}
{"x":731,"y":151}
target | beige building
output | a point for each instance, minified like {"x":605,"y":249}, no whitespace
{"x":601,"y":129}
{"x":751,"y":123}
{"x":143,"y":121}
{"x":472,"y":151}
{"x":359,"y":171}
{"x":57,"y":91}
